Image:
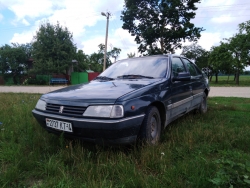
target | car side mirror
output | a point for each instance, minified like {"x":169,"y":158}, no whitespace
{"x":182,"y":76}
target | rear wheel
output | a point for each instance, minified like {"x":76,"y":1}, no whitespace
{"x":151,"y":126}
{"x":203,"y":105}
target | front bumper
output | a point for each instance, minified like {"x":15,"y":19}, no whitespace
{"x":100,"y":131}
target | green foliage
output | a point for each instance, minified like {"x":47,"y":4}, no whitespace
{"x":246,"y":72}
{"x":233,"y":55}
{"x":131,"y":55}
{"x":220,"y":60}
{"x":232,"y":171}
{"x":53,"y":49}
{"x":240,"y":50}
{"x":82,"y":61}
{"x":13,"y":60}
{"x":114,"y":53}
{"x":160,"y":26}
{"x":95,"y":60}
{"x":197,"y":53}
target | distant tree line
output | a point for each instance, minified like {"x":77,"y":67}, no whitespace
{"x":230,"y":57}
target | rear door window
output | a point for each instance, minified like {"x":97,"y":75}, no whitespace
{"x":191,"y":68}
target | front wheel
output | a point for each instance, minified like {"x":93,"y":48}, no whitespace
{"x":151,"y":126}
{"x":203,"y":105}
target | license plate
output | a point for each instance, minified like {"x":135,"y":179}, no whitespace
{"x":59,"y":125}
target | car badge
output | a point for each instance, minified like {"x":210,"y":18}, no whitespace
{"x":61,"y":109}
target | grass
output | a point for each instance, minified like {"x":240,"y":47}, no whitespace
{"x":223,"y":81}
{"x":210,"y":150}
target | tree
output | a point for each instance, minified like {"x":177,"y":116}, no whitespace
{"x":96,"y":59}
{"x":53,"y":49}
{"x":131,"y":55}
{"x":239,"y":46}
{"x":82,"y":61}
{"x":96,"y":62}
{"x":159,"y":26}
{"x":196,"y":53}
{"x":114,"y":53}
{"x":13,"y":60}
{"x":220,"y":59}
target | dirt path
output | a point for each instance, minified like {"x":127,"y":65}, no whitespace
{"x":230,"y":92}
{"x":215,"y":91}
{"x":29,"y":89}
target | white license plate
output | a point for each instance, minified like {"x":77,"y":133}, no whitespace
{"x":59,"y":125}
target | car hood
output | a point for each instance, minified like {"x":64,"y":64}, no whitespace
{"x":99,"y":90}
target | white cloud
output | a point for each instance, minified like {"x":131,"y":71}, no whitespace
{"x":91,"y":45}
{"x":74,"y":14}
{"x":119,"y":38}
{"x":220,"y":19}
{"x":22,"y":38}
{"x":62,"y":10}
{"x":223,"y":19}
{"x":122,"y":39}
{"x":31,"y":8}
{"x":77,"y":15}
{"x":25,"y":22}
{"x":208,"y":40}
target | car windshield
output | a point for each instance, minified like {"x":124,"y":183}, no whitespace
{"x":138,"y":68}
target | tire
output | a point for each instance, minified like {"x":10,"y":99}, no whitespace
{"x":151,"y":127}
{"x":203,"y":106}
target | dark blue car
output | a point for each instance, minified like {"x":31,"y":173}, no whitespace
{"x":134,"y":99}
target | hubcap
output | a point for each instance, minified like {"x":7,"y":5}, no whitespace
{"x":153,"y":127}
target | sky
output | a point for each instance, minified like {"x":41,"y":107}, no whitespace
{"x":20,"y":20}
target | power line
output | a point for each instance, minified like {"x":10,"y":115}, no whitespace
{"x":33,"y":25}
{"x":223,"y":16}
{"x":219,"y":6}
{"x":208,"y":9}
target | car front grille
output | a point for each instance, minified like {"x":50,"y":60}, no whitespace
{"x":65,"y":109}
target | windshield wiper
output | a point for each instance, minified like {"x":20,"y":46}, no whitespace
{"x":134,"y":76}
{"x":103,"y":78}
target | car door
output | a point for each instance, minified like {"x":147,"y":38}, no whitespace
{"x":181,"y":93}
{"x":196,"y":82}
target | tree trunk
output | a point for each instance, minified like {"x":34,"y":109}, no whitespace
{"x":14,"y":79}
{"x":210,"y":79}
{"x":237,"y":77}
{"x":228,"y":78}
{"x":216,"y":76}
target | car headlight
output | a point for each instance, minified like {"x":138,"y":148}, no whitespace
{"x":109,"y":111}
{"x":41,"y":105}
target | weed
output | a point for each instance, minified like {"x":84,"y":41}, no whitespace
{"x":230,"y":173}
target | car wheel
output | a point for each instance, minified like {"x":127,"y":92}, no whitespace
{"x":151,"y":127}
{"x":203,"y":105}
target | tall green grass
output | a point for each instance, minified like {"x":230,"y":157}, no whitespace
{"x":210,"y":150}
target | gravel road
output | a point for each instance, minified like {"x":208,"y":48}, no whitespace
{"x":214,"y":91}
{"x":230,"y":92}
{"x":29,"y":89}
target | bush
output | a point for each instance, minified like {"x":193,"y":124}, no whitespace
{"x":34,"y":81}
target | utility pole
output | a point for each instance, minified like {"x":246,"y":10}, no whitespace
{"x":106,"y":39}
